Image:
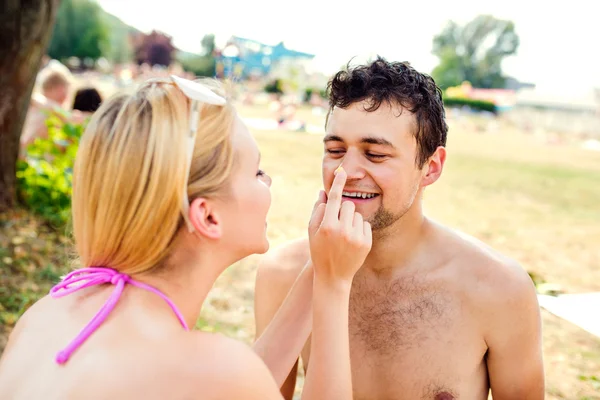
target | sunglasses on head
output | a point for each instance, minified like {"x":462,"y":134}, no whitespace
{"x":199,"y":95}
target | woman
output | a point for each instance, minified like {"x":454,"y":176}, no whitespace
{"x":167,"y":193}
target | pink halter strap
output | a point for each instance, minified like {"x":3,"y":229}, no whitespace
{"x":86,"y":277}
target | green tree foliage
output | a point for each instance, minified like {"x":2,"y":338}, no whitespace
{"x":80,"y":31}
{"x":120,"y":48}
{"x":201,"y":65}
{"x":474,"y":52}
{"x":208,"y":45}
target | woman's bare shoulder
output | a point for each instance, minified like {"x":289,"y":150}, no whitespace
{"x":227,"y":368}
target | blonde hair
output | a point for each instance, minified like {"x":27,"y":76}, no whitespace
{"x":130,"y":170}
{"x":54,"y":78}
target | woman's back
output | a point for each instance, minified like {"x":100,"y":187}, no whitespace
{"x":139,"y":354}
{"x":157,"y":216}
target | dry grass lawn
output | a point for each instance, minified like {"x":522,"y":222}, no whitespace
{"x":537,"y":203}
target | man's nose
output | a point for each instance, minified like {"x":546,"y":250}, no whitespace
{"x":353,"y":165}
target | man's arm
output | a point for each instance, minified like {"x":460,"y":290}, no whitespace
{"x":514,"y":339}
{"x":274,"y":279}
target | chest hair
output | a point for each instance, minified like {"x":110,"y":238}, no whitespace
{"x":398,"y":315}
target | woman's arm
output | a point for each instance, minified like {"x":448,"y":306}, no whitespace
{"x":329,"y":374}
{"x":339,"y":243}
{"x":281,"y":342}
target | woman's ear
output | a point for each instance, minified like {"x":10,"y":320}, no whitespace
{"x":205,"y":218}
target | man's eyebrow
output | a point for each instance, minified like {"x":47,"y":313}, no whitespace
{"x":367,"y":139}
{"x":332,"y":138}
{"x":377,"y":140}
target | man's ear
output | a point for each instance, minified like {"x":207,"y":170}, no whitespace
{"x":432,"y":170}
{"x":205,"y":218}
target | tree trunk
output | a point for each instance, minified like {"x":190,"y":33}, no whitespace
{"x":25,"y":30}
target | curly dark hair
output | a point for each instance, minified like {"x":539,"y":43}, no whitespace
{"x":396,"y":83}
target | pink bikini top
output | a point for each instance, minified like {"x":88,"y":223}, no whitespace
{"x":86,"y":277}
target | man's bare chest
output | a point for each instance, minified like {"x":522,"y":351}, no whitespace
{"x":402,"y":315}
{"x":412,"y":339}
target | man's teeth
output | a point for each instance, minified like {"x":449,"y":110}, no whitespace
{"x":359,"y":195}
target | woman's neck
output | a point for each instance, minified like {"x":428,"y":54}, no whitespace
{"x":186,"y":280}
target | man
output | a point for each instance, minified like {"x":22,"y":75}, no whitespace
{"x":434,"y":314}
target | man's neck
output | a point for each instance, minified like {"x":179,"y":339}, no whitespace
{"x":394,"y":247}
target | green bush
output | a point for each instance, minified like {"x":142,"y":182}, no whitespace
{"x":201,"y":66}
{"x":45,"y":174}
{"x":307,"y":94}
{"x":476,"y":105}
{"x":309,"y":91}
{"x":275,"y":86}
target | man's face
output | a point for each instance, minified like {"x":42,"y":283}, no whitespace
{"x":378,"y":151}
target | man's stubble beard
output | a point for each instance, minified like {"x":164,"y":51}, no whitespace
{"x":384,"y":218}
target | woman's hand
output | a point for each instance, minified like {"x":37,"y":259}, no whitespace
{"x":339,"y":237}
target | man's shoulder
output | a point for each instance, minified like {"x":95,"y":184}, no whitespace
{"x":292,"y":252}
{"x":494,"y":272}
{"x":502,"y":298}
{"x":283,"y":263}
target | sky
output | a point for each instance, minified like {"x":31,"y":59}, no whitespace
{"x":556,"y":41}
